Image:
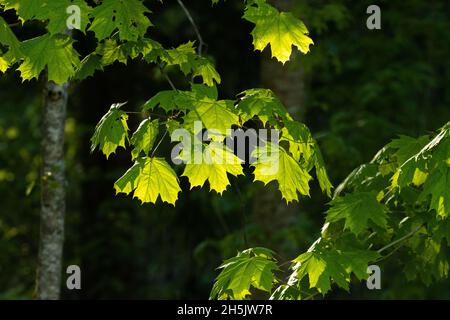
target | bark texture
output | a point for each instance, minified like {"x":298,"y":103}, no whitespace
{"x":288,"y":83}
{"x":52,"y":192}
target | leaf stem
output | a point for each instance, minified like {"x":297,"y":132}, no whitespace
{"x":159,"y":143}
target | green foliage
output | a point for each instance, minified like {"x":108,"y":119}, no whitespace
{"x":148,"y":179}
{"x":357,"y":209}
{"x":281,"y":30}
{"x":276,"y":164}
{"x":144,"y":137}
{"x":125,"y":16}
{"x":372,"y":210}
{"x":61,"y":64}
{"x":250,"y":268}
{"x":112,"y":131}
{"x":217,"y":162}
{"x":397,"y":203}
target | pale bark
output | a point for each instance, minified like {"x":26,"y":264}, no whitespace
{"x":53,"y":192}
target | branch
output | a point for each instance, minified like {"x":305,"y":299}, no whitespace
{"x":405,"y":237}
{"x":201,"y":43}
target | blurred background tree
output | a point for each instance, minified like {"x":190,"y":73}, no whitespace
{"x":356,"y":90}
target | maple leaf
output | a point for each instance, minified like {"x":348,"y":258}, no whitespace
{"x":218,"y":116}
{"x":275,"y":164}
{"x":261,"y":103}
{"x":281,"y":30}
{"x":26,"y":9}
{"x":189,"y":62}
{"x":111,"y":51}
{"x":49,"y":10}
{"x":250,"y":268}
{"x":126,"y":16}
{"x":8,"y":38}
{"x":217,"y":161}
{"x":61,"y":59}
{"x":144,"y":137}
{"x":321,"y":266}
{"x":88,"y":66}
{"x":56,"y":14}
{"x":150,"y":178}
{"x":167,"y":100}
{"x":112,"y":131}
{"x":357,"y":209}
{"x":438,"y":186}
{"x":321,"y":172}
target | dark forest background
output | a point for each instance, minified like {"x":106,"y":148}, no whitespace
{"x":356,"y":90}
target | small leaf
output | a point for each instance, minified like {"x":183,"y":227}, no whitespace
{"x":144,"y":137}
{"x":112,"y":131}
{"x":250,"y":268}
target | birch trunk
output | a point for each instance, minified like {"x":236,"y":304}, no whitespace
{"x":52,"y":192}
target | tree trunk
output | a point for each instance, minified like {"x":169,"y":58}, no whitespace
{"x":52,"y":192}
{"x":288,"y":83}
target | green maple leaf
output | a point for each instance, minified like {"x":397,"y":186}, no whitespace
{"x":126,"y":16}
{"x":281,"y":30}
{"x":414,"y":169}
{"x":170,"y":100}
{"x":61,"y":64}
{"x":112,"y":131}
{"x":261,"y":103}
{"x":406,"y":147}
{"x":357,"y":209}
{"x":150,"y":178}
{"x":26,"y":9}
{"x":51,"y":10}
{"x":56,"y":14}
{"x":111,"y":51}
{"x":205,"y":69}
{"x":321,"y":266}
{"x":167,"y":100}
{"x":301,"y":142}
{"x":321,"y":172}
{"x":88,"y":66}
{"x":356,"y":261}
{"x":438,"y":186}
{"x":304,"y":148}
{"x":144,"y":137}
{"x":8,"y":39}
{"x":275,"y":164}
{"x":250,"y":268}
{"x":189,"y":62}
{"x":218,"y":116}
{"x":217,"y":161}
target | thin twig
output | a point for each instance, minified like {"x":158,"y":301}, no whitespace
{"x":201,"y":43}
{"x":163,"y":72}
{"x":405,"y":237}
{"x":15,"y":24}
{"x":159,"y":143}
